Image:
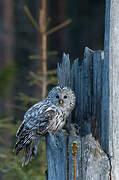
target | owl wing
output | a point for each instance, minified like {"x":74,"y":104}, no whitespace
{"x":36,"y":123}
{"x":37,"y":119}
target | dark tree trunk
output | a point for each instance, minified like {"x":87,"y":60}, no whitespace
{"x":7,"y":53}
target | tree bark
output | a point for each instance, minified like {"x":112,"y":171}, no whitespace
{"x":110,"y":102}
{"x":92,"y":162}
{"x":7,"y":55}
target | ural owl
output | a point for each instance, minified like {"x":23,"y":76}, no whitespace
{"x":42,"y":118}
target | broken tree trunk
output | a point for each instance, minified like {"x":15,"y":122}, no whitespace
{"x":91,"y":161}
{"x":96,"y":86}
{"x":110,"y":98}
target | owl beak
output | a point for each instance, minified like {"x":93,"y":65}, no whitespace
{"x":60,"y":101}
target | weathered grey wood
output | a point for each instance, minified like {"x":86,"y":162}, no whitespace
{"x":56,"y":156}
{"x":82,"y":85}
{"x":97,"y":94}
{"x":95,"y":163}
{"x":86,"y":81}
{"x":87,"y":84}
{"x":105,"y":87}
{"x":64,"y":73}
{"x":110,"y":101}
{"x":57,"y":145}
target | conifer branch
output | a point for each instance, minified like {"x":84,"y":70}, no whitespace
{"x":31,"y":18}
{"x":58,"y":27}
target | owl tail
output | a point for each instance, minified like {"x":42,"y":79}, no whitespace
{"x":30,"y":151}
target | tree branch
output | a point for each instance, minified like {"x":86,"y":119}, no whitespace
{"x":60,"y":26}
{"x":31,"y":18}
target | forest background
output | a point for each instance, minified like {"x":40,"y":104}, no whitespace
{"x":21,"y":68}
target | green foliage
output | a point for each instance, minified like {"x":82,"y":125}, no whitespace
{"x":36,"y":78}
{"x":26,"y":101}
{"x":11,"y":169}
{"x":6,"y":124}
{"x":7,"y":79}
{"x":10,"y":166}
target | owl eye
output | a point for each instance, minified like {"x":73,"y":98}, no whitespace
{"x":65,"y":97}
{"x":57,"y":96}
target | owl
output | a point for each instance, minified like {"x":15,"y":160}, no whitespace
{"x":47,"y":116}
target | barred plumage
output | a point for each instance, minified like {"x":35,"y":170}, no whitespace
{"x":44,"y":117}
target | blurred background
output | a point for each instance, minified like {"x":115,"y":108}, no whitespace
{"x":33,"y":37}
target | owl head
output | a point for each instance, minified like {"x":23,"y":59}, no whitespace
{"x":62,"y":97}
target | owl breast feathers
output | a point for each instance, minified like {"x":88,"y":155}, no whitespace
{"x":44,"y":117}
